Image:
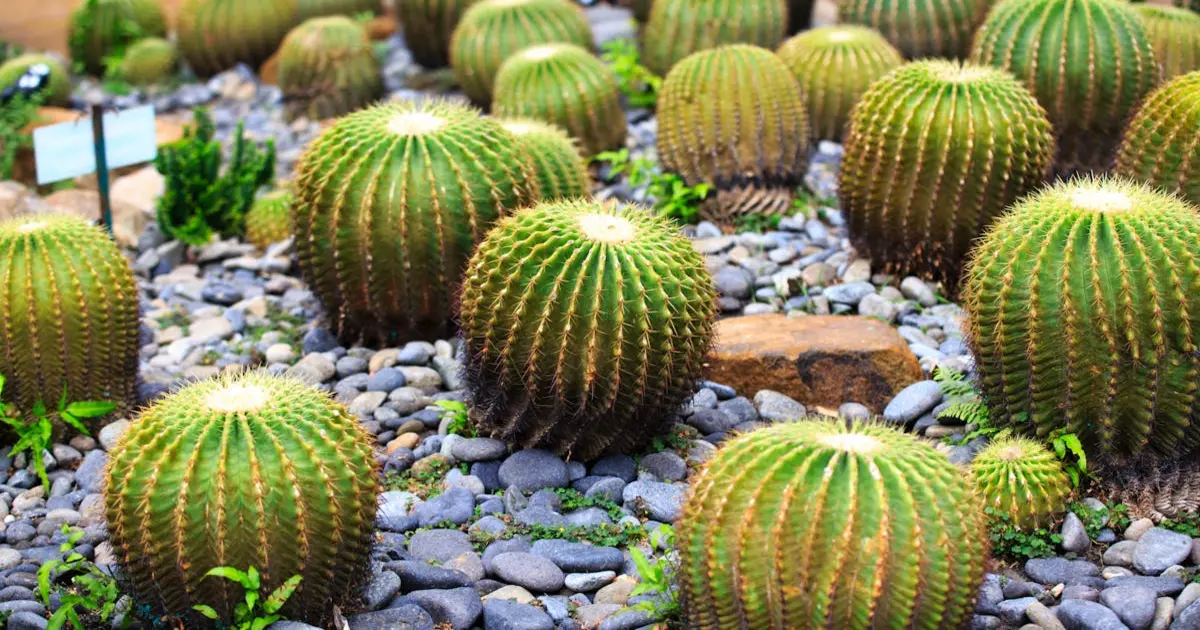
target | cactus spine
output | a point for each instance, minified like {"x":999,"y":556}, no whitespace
{"x":391,"y":201}
{"x":812,"y":525}
{"x":68,"y":313}
{"x":835,"y":65}
{"x":920,"y":28}
{"x":105,"y":28}
{"x":1051,"y":45}
{"x":679,"y":28}
{"x":586,"y":325}
{"x":934,"y":153}
{"x":560,"y":171}
{"x":1161,"y":145}
{"x":59,"y":90}
{"x":150,"y":61}
{"x":1175,"y":34}
{"x":245,"y":470}
{"x":270,"y":219}
{"x":327,"y":68}
{"x":215,"y":35}
{"x":1082,"y":304}
{"x":428,"y":26}
{"x":565,"y":85}
{"x":491,"y":31}
{"x":1022,"y":479}
{"x":735,"y":117}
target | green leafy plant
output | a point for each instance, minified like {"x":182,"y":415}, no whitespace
{"x":1069,"y":449}
{"x":254,"y":612}
{"x":460,"y":418}
{"x":15,"y":116}
{"x":101,"y":31}
{"x":92,"y":594}
{"x":573,"y":499}
{"x":602,"y":535}
{"x":1012,"y":543}
{"x":1113,"y":515}
{"x":35,"y":436}
{"x":426,"y":482}
{"x":655,"y":578}
{"x":757,"y":222}
{"x":966,"y":404}
{"x":673,"y":198}
{"x":678,"y":439}
{"x":637,"y":83}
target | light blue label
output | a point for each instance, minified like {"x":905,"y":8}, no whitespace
{"x":67,"y":149}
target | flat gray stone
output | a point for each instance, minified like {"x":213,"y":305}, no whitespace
{"x":912,"y":401}
{"x":533,"y":469}
{"x":1159,"y":549}
{"x":1134,"y":605}
{"x":1079,"y":614}
{"x":506,"y":614}
{"x":459,"y":607}
{"x":525,"y":569}
{"x":663,"y":501}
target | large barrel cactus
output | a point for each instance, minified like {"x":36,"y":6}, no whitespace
{"x":934,"y":153}
{"x":350,"y":8}
{"x":215,"y":35}
{"x":245,"y":470}
{"x":735,"y":117}
{"x":814,"y":524}
{"x":560,"y":170}
{"x":920,"y":28}
{"x":565,"y":85}
{"x":1083,"y":306}
{"x":1161,"y":144}
{"x":1175,"y":34}
{"x":1022,"y":480}
{"x":269,"y":220}
{"x":678,"y":28}
{"x":59,"y":90}
{"x":586,"y":325}
{"x":835,"y":65}
{"x":491,"y":31}
{"x":68,"y":313}
{"x":391,"y":201}
{"x":1053,"y":47}
{"x":101,"y":29}
{"x":428,"y":26}
{"x":150,"y":61}
{"x":327,"y":68}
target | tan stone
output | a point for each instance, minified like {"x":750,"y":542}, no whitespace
{"x":616,"y":593}
{"x":128,"y":220}
{"x":405,"y":440}
{"x":513,"y":592}
{"x":818,"y":360}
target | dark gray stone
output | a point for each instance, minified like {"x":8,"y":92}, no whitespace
{"x":506,"y":614}
{"x":525,"y":569}
{"x":990,"y":595}
{"x":1188,"y":619}
{"x":1160,"y":548}
{"x":419,"y":576}
{"x":90,"y":474}
{"x":404,"y":617}
{"x":459,"y":607}
{"x":1080,"y":614}
{"x":478,"y":449}
{"x":1134,"y":605}
{"x":439,"y":545}
{"x":503,"y":546}
{"x":663,"y":501}
{"x":574,"y":557}
{"x":912,"y":401}
{"x":319,"y":340}
{"x":1012,"y":611}
{"x":382,"y":588}
{"x":1059,"y":570}
{"x":665,"y":466}
{"x":533,"y":469}
{"x":385,"y":380}
{"x":456,"y":505}
{"x":538,"y":515}
{"x":26,"y":621}
{"x":1162,"y":586}
{"x":609,"y":488}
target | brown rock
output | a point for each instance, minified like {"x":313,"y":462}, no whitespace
{"x":128,"y":220}
{"x":268,"y":72}
{"x":382,"y":27}
{"x":818,"y":360}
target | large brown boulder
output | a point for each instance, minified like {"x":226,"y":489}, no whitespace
{"x":818,"y":360}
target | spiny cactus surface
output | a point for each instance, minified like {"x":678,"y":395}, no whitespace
{"x":1022,"y":479}
{"x":1161,"y":145}
{"x":920,"y":28}
{"x":150,"y":61}
{"x":561,"y":172}
{"x":428,"y":26}
{"x":350,"y":8}
{"x":59,"y":90}
{"x":270,"y":219}
{"x":101,"y":29}
{"x":1175,"y":33}
{"x":679,"y":28}
{"x":327,"y":68}
{"x":813,"y":525}
{"x":215,"y":35}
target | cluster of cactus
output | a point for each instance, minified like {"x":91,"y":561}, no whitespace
{"x":935,"y":151}
{"x":920,"y":28}
{"x":814,"y":524}
{"x":319,"y":8}
{"x":243,"y":470}
{"x":734,"y":117}
{"x":835,"y":65}
{"x":1022,"y":480}
{"x":215,"y":35}
{"x":1175,"y":34}
{"x":1082,"y":307}
{"x":58,"y":92}
{"x":327,"y":68}
{"x":1052,"y":46}
{"x":103,"y":29}
{"x":1161,"y":145}
{"x":269,"y":220}
{"x":389,"y":204}
{"x":565,"y":85}
{"x":560,"y":171}
{"x":679,"y":28}
{"x":428,"y":26}
{"x":586,"y":324}
{"x":491,"y":31}
{"x":68,"y":313}
{"x":150,"y":61}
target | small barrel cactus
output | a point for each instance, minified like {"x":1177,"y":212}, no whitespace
{"x":390,"y":203}
{"x":1161,"y":145}
{"x":327,"y":68}
{"x":814,"y":524}
{"x":270,"y":219}
{"x":1175,"y":34}
{"x":491,"y":31}
{"x":428,"y":26}
{"x":105,"y":28}
{"x":249,"y":470}
{"x":68,"y":313}
{"x":679,"y":28}
{"x":565,"y":85}
{"x":150,"y":61}
{"x":561,"y":172}
{"x":215,"y":35}
{"x":1023,"y":480}
{"x":59,"y":90}
{"x":920,"y":28}
{"x":350,"y":8}
{"x":1051,"y":45}
{"x":835,"y":65}
{"x":586,"y":325}
{"x":735,"y":117}
{"x":934,"y":153}
{"x":1082,"y":304}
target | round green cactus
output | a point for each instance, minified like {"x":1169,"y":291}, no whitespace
{"x":560,"y":170}
{"x":935,"y":152}
{"x":327,"y":68}
{"x":814,"y":524}
{"x":1051,"y":45}
{"x":565,"y":85}
{"x":734,"y":117}
{"x":249,"y":470}
{"x":1082,"y":304}
{"x":1175,"y":34}
{"x":215,"y":35}
{"x":68,"y":313}
{"x":270,"y":219}
{"x":586,"y":324}
{"x":491,"y":31}
{"x":835,"y":65}
{"x":150,"y":61}
{"x":679,"y":28}
{"x":1022,"y":480}
{"x":390,"y":203}
{"x":1161,"y":145}
{"x":59,"y":90}
{"x":350,"y":8}
{"x":428,"y":26}
{"x":920,"y":28}
{"x":101,"y":29}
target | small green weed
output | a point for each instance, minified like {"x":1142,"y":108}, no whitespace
{"x":636,"y":82}
{"x":15,"y":116}
{"x":672,"y":196}
{"x":573,"y":499}
{"x":35,"y":436}
{"x":427,"y":482}
{"x":655,"y":579}
{"x":92,"y":593}
{"x":1016,"y":545}
{"x":254,"y":612}
{"x":460,"y":420}
{"x":757,"y":223}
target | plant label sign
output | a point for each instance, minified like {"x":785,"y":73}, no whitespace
{"x":69,"y":149}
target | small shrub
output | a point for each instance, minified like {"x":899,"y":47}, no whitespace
{"x":254,"y":612}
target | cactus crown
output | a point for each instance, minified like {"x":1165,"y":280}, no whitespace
{"x":150,"y":61}
{"x":327,"y":68}
{"x":1160,"y":145}
{"x":560,"y":170}
{"x":1022,"y":479}
{"x":1175,"y":33}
